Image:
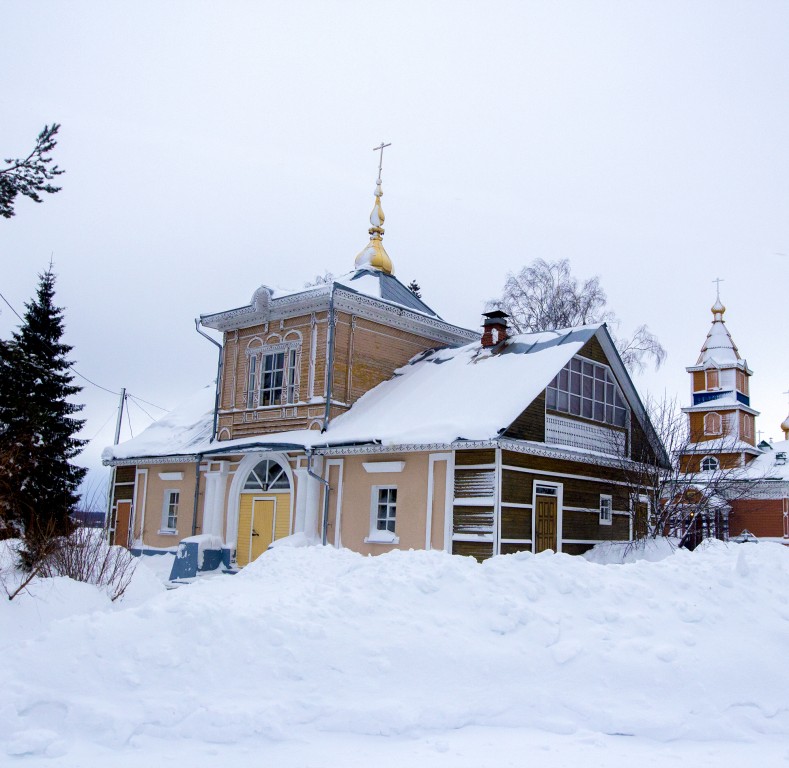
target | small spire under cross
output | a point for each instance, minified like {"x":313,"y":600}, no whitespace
{"x":718,"y":281}
{"x":381,"y":159}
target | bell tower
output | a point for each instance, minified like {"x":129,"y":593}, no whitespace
{"x":721,"y":422}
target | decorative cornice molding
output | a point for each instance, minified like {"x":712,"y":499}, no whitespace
{"x":311,"y":301}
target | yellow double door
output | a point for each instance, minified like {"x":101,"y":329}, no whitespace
{"x":261,"y":520}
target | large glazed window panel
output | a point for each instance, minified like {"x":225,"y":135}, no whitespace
{"x":587,"y":389}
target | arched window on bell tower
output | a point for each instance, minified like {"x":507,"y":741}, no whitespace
{"x":713,"y":424}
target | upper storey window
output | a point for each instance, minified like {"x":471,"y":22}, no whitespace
{"x":272,"y":375}
{"x":587,"y":389}
{"x":713,"y":378}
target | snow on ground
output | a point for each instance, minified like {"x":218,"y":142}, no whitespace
{"x":318,"y":657}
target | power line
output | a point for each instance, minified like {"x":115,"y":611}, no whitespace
{"x":134,"y":400}
{"x":82,"y":375}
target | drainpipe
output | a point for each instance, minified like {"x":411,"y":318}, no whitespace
{"x":218,"y":375}
{"x":197,"y":491}
{"x":329,"y":361}
{"x":327,"y":488}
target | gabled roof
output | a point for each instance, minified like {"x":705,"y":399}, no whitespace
{"x":439,"y":397}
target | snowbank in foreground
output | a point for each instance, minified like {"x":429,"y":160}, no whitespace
{"x":312,"y":639}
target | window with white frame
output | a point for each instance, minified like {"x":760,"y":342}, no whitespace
{"x":172,"y":498}
{"x":587,"y":389}
{"x":383,"y":514}
{"x":713,"y":380}
{"x":713,"y":424}
{"x":272,"y":375}
{"x":606,"y":509}
{"x":709,"y":464}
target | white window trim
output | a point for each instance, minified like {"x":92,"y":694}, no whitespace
{"x":710,"y":458}
{"x":708,"y":418}
{"x":166,"y":530}
{"x":376,"y":536}
{"x":290,"y":379}
{"x":610,"y":500}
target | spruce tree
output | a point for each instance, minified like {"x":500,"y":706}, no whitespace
{"x":38,"y":482}
{"x":413,"y":286}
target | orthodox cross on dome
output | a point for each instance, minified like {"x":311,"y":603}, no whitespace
{"x":381,"y":149}
{"x":717,"y":308}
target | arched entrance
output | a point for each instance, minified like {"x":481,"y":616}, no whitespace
{"x":263,"y":509}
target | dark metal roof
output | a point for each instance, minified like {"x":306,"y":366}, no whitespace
{"x":393,"y":290}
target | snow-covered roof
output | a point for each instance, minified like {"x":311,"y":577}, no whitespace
{"x":769,"y":465}
{"x":719,"y":348}
{"x":439,"y":397}
{"x":183,"y":431}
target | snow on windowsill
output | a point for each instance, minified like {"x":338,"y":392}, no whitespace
{"x":167,"y":532}
{"x":379,"y":537}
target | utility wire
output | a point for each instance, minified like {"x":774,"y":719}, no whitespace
{"x":128,"y":420}
{"x":134,"y":400}
{"x":81,"y":375}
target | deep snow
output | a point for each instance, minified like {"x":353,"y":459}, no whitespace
{"x":314,"y":656}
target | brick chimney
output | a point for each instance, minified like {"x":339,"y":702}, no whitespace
{"x":494,"y":328}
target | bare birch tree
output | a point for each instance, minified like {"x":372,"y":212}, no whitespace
{"x":545,"y":295}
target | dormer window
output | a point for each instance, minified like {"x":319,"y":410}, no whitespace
{"x":713,"y":424}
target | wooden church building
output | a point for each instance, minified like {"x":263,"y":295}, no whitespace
{"x":752,"y":479}
{"x":351,"y":413}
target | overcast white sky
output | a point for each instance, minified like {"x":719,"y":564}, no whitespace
{"x":212,"y":147}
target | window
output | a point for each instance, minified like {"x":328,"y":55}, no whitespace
{"x":170,"y":511}
{"x":383,"y":515}
{"x":605,"y":510}
{"x":712,"y":424}
{"x":747,"y":426}
{"x":709,"y":464}
{"x":586,"y":389}
{"x":742,"y":382}
{"x":267,"y":475}
{"x":272,"y":377}
{"x":712,"y":379}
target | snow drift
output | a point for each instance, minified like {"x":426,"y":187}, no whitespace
{"x":408,"y":643}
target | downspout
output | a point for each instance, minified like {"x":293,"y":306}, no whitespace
{"x":197,"y":491}
{"x":327,"y":488}
{"x":218,"y":376}
{"x":329,"y":362}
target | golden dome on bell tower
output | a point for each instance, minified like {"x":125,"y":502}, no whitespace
{"x":374,"y":255}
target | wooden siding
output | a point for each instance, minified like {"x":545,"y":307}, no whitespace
{"x":474,"y":483}
{"x":529,"y":461}
{"x":125,"y":474}
{"x":472,"y":520}
{"x":511,"y":549}
{"x":368,"y":353}
{"x":576,"y":549}
{"x":586,"y":525}
{"x":515,"y":523}
{"x":480,"y":550}
{"x":482,"y":456}
{"x":699,"y":381}
{"x":530,"y":425}
{"x":592,"y":350}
